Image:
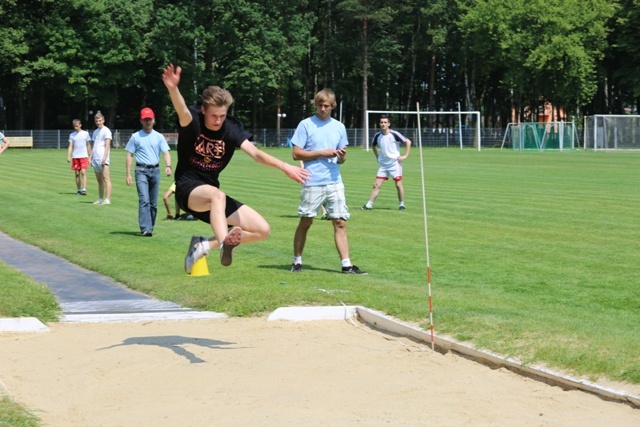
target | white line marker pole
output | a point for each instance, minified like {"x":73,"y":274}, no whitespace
{"x":426,"y":230}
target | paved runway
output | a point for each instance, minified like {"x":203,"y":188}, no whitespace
{"x":80,"y":291}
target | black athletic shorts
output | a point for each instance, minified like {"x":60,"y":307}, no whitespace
{"x":184,"y":187}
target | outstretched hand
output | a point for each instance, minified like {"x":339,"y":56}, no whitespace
{"x":297,"y":174}
{"x":171,"y":76}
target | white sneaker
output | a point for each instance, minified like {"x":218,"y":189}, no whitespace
{"x":106,"y":202}
{"x":195,"y":252}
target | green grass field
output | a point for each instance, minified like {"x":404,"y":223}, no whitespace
{"x":533,"y":255}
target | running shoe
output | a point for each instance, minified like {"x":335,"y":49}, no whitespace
{"x":195,"y":252}
{"x":353,"y":270}
{"x":296,"y":268}
{"x":229,"y":245}
{"x":402,"y":208}
{"x":365,"y":208}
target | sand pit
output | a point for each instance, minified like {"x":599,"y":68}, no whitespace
{"x":240,"y":372}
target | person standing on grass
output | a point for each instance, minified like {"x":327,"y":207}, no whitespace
{"x":320,"y":142}
{"x":386,"y":147}
{"x":100,"y":160}
{"x":4,"y":141}
{"x":207,"y":140}
{"x":78,"y":155}
{"x":146,"y":145}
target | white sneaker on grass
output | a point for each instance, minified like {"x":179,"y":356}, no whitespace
{"x":195,"y":252}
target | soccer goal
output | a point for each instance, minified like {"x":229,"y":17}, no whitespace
{"x":612,"y":132}
{"x":437,"y":128}
{"x":541,"y":136}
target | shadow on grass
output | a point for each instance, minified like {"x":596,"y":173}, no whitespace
{"x":305,"y":267}
{"x":127,"y":233}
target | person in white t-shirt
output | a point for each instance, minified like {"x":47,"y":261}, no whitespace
{"x":386,"y":147}
{"x":100,"y":160}
{"x":78,"y":155}
{"x":4,"y":141}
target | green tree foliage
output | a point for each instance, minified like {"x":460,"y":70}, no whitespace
{"x":625,"y":53}
{"x":542,"y":50}
{"x":68,"y":58}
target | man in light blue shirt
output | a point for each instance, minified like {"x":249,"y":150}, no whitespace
{"x":147,"y":145}
{"x":320,"y":142}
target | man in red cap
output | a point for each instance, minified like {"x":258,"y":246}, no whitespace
{"x":147,"y":145}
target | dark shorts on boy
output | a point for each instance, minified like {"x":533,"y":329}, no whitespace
{"x":184,"y":187}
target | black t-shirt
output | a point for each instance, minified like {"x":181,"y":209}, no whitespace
{"x":203,"y":153}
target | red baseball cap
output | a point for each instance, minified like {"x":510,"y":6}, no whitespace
{"x":147,"y":113}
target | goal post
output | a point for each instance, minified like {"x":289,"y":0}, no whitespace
{"x":612,"y":132}
{"x":541,"y":136}
{"x":447,"y":128}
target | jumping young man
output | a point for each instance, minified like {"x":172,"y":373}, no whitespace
{"x":207,"y":140}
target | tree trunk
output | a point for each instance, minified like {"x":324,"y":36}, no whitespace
{"x":41,"y":106}
{"x":432,"y":88}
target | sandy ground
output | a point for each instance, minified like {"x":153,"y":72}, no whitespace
{"x":254,"y":372}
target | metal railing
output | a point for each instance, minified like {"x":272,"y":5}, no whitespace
{"x":268,"y":137}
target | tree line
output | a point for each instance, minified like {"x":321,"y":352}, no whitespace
{"x":65,"y":59}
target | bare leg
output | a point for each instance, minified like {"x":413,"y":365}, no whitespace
{"x":400,"y":190}
{"x":376,"y":189}
{"x":340,"y":237}
{"x":210,"y":198}
{"x":100,"y":180}
{"x":107,"y":181}
{"x":167,"y":206}
{"x":254,"y":227}
{"x":83,"y":179}
{"x":300,"y":237}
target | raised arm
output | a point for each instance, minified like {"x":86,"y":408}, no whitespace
{"x":171,"y":79}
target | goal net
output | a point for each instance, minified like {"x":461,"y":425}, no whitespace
{"x":457,"y":129}
{"x":540,"y":136}
{"x":612,"y":132}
